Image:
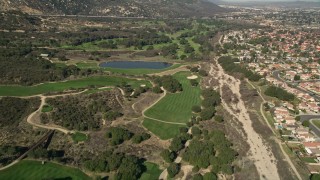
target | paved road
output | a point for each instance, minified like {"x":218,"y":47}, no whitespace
{"x":312,"y":127}
{"x":276,"y":75}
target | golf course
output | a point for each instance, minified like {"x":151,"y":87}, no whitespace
{"x":65,"y":85}
{"x":174,"y":109}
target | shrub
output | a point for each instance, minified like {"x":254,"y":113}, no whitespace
{"x":196,"y":109}
{"x":218,"y":118}
{"x":173,"y":169}
{"x":168,"y":156}
{"x":197,"y":177}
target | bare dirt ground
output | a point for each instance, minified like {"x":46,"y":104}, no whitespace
{"x":264,"y":160}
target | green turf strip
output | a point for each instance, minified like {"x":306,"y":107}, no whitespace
{"x":34,"y":170}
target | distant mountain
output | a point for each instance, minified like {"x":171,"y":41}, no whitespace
{"x":217,"y":1}
{"x":280,"y":3}
{"x":127,"y":8}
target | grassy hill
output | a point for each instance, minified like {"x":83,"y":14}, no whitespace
{"x":126,"y":8}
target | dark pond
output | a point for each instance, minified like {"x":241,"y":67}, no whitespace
{"x":136,"y":65}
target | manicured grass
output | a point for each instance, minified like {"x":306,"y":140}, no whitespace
{"x":315,"y":177}
{"x":153,"y":172}
{"x":27,"y":170}
{"x":177,"y":107}
{"x":47,"y":108}
{"x":308,"y":159}
{"x":79,"y":137}
{"x":87,"y":65}
{"x":316,"y":123}
{"x":140,"y":71}
{"x":125,"y":71}
{"x":61,"y":86}
{"x":162,"y":130}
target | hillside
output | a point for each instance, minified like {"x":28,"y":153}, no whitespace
{"x":126,"y":8}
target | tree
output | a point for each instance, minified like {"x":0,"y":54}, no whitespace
{"x":176,"y":144}
{"x":207,"y":113}
{"x":197,"y":177}
{"x":296,"y":77}
{"x":203,"y":73}
{"x":118,"y":135}
{"x":196,"y":108}
{"x":183,"y":130}
{"x":157,"y":90}
{"x":306,"y":123}
{"x":168,"y":156}
{"x":138,"y":138}
{"x":173,"y":169}
{"x":194,"y":69}
{"x":210,"y":176}
{"x":194,"y":82}
{"x":218,"y":118}
{"x":195,"y":131}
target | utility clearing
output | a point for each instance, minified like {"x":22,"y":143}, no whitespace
{"x":263,"y":158}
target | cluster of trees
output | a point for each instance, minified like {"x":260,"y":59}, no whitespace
{"x":279,"y":93}
{"x":14,"y":110}
{"x":211,"y":99}
{"x":168,"y":83}
{"x":201,"y":72}
{"x":20,"y":66}
{"x":42,"y":153}
{"x":118,"y":135}
{"x":125,"y":166}
{"x":83,"y":113}
{"x":145,"y":39}
{"x":10,"y":153}
{"x":170,"y":50}
{"x":138,"y":138}
{"x":229,"y":65}
{"x":214,"y":150}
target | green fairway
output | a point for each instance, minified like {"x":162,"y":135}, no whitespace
{"x":46,"y":108}
{"x":153,"y":172}
{"x":162,"y":130}
{"x":83,"y":65}
{"x":140,"y":71}
{"x":61,"y":86}
{"x":79,"y":137}
{"x":87,"y":65}
{"x":177,"y":107}
{"x":34,"y":170}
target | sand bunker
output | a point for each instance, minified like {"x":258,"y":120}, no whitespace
{"x":143,"y":85}
{"x":192,"y":77}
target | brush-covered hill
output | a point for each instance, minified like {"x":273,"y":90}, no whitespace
{"x":125,"y":8}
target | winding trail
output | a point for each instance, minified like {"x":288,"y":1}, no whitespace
{"x":30,"y":118}
{"x":263,"y":159}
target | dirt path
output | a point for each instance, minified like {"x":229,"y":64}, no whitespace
{"x":263,"y":159}
{"x":288,"y":159}
{"x":31,"y":117}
